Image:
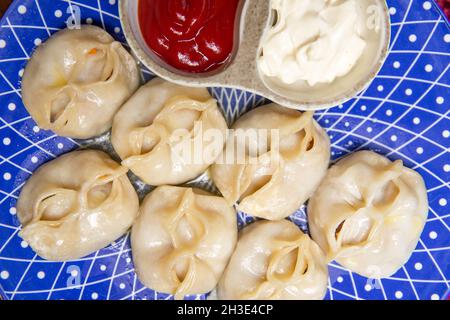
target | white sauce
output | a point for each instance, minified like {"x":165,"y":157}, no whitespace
{"x":314,"y":41}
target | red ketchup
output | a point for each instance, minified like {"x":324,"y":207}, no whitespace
{"x":194,"y":36}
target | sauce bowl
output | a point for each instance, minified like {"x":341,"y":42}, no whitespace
{"x":242,"y":72}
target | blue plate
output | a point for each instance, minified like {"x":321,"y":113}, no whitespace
{"x":404,"y":114}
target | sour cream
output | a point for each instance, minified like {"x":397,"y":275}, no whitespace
{"x":314,"y":41}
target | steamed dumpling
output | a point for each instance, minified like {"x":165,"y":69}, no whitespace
{"x":77,"y":80}
{"x":282,"y":171}
{"x":368,"y":214}
{"x":183,"y":240}
{"x":76,"y":205}
{"x":163,"y":133}
{"x":274,"y":260}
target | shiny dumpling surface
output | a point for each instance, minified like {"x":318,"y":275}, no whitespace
{"x":273,"y":183}
{"x":152,"y":130}
{"x":182,"y":240}
{"x":368,"y":213}
{"x":77,"y":80}
{"x":274,"y":260}
{"x":76,"y":205}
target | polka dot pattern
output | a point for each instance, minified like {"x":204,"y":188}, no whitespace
{"x":403,"y":114}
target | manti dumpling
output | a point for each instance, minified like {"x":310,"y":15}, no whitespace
{"x":168,"y":134}
{"x":76,"y":205}
{"x":274,"y":260}
{"x":77,"y":80}
{"x":280,"y":171}
{"x":368,"y":214}
{"x":182,"y":240}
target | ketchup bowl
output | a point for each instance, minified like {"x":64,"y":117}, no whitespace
{"x":223,"y":43}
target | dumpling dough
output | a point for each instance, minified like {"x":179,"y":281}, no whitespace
{"x":183,"y":240}
{"x":76,"y":205}
{"x":77,"y":80}
{"x":277,"y":181}
{"x":153,"y":128}
{"x":368,"y":214}
{"x":274,"y":260}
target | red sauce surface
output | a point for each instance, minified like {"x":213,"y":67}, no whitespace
{"x":194,"y":36}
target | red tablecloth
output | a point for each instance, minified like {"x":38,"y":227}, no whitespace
{"x":4,"y":5}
